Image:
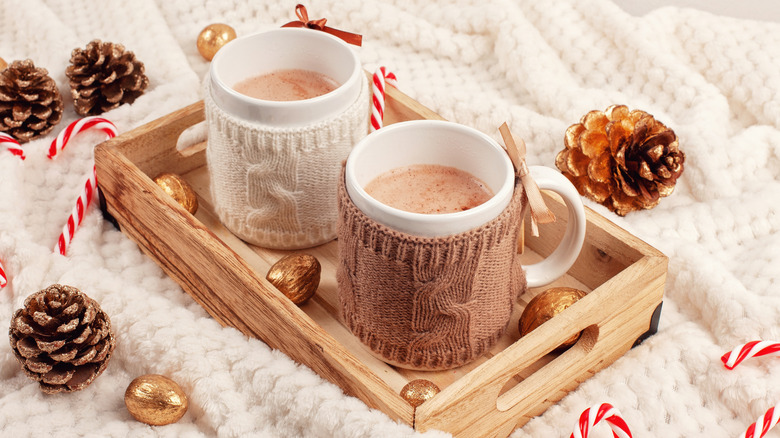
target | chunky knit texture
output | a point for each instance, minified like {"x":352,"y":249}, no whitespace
{"x":276,"y":187}
{"x":538,"y":65}
{"x":428,"y":303}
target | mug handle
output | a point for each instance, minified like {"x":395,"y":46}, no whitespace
{"x":563,"y":257}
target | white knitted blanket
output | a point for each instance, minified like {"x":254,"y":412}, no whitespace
{"x":538,"y":65}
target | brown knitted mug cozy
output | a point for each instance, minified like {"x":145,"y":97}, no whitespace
{"x":428,"y":303}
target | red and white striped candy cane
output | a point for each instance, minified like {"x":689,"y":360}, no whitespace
{"x":746,"y":351}
{"x":80,"y":125}
{"x":59,"y":143}
{"x":593,"y":416}
{"x":736,"y":356}
{"x":11,"y":145}
{"x":765,"y":422}
{"x":77,"y":215}
{"x":89,"y":187}
{"x":381,"y":76}
{"x":3,"y":277}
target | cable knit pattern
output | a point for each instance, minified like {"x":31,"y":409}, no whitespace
{"x":538,"y":65}
{"x":276,"y":187}
{"x":429,"y":303}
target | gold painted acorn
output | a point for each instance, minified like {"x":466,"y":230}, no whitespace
{"x":296,"y":276}
{"x":179,"y":190}
{"x":156,"y":400}
{"x":419,"y":391}
{"x":213,"y":37}
{"x":547,"y":305}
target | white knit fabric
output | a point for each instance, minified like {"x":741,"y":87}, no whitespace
{"x":276,"y":187}
{"x":538,"y":65}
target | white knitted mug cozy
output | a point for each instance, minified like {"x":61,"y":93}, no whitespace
{"x":277,"y":187}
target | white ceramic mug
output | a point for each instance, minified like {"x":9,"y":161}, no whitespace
{"x":274,"y":166}
{"x":281,"y":49}
{"x":465,"y":148}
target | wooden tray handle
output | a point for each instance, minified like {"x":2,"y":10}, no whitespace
{"x":559,"y":366}
{"x":481,"y":409}
{"x":476,"y":406}
{"x":152,"y":147}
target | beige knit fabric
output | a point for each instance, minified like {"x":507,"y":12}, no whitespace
{"x":276,"y":187}
{"x":428,"y":303}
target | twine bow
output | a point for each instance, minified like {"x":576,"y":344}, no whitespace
{"x":540,"y":214}
{"x":303,"y":21}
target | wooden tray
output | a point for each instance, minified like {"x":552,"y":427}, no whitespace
{"x":515,"y":381}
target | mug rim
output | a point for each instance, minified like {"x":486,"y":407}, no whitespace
{"x":500,"y":198}
{"x":240,"y":100}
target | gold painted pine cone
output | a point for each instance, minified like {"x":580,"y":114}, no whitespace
{"x":624,"y":160}
{"x":103,"y":76}
{"x":62,"y":339}
{"x":30,"y":103}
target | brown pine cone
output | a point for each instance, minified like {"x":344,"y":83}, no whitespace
{"x":103,"y":76}
{"x":62,"y":339}
{"x":30,"y":103}
{"x":624,"y":160}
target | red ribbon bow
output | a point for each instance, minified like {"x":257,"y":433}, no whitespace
{"x":303,"y":21}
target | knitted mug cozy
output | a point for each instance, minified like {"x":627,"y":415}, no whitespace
{"x":428,"y":303}
{"x":276,"y":187}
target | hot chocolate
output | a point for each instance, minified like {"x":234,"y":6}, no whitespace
{"x":286,"y":85}
{"x":429,"y":189}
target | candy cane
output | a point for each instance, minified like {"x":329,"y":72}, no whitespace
{"x":766,"y":421}
{"x":381,"y":75}
{"x":594,"y":414}
{"x":90,"y":186}
{"x":3,"y":278}
{"x":746,"y":351}
{"x":82,"y":203}
{"x":80,"y":125}
{"x":736,"y":356}
{"x":77,"y":215}
{"x":11,"y":145}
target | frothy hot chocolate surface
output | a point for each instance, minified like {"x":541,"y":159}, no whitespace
{"x":429,"y":189}
{"x":286,"y":85}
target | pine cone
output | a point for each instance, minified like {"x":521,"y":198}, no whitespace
{"x":30,"y":103}
{"x":62,"y":339}
{"x":103,"y":76}
{"x":624,"y":160}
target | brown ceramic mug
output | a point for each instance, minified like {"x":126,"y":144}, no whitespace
{"x":438,"y":300}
